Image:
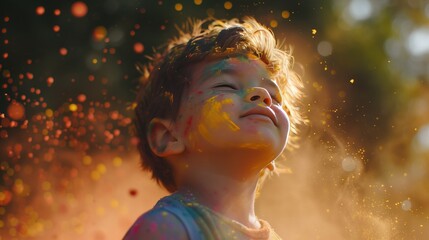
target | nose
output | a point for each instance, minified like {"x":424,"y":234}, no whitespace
{"x":258,"y":95}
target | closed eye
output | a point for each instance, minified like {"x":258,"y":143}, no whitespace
{"x":228,"y":86}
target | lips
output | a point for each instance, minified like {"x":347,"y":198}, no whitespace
{"x":262,"y":111}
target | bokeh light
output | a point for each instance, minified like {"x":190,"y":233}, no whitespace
{"x":40,"y":10}
{"x":56,"y":28}
{"x":57,"y":12}
{"x":63,"y":51}
{"x":138,"y":47}
{"x":79,"y":9}
{"x":178,"y":7}
{"x":99,"y":33}
{"x":50,"y":81}
{"x":418,"y":41}
{"x":324,"y":48}
{"x":360,"y":9}
{"x":73,"y":107}
{"x":16,"y":111}
{"x":227,"y":5}
{"x":285,"y":14}
{"x":422,"y":137}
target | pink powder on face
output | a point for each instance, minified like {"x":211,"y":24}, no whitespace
{"x":188,"y":125}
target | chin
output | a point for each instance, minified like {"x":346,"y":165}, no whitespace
{"x":263,"y":146}
{"x":262,"y":139}
{"x":257,"y":140}
{"x":265,"y":152}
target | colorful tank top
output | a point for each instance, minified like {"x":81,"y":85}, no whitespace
{"x":202,"y":223}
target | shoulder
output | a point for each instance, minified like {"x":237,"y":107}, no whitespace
{"x":157,"y":224}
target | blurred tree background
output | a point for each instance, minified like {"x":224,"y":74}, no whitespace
{"x":68,"y":82}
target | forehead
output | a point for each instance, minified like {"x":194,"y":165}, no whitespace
{"x":239,"y":65}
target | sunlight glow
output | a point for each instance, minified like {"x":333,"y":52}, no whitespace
{"x":418,"y":42}
{"x":360,"y":9}
{"x":422,"y":137}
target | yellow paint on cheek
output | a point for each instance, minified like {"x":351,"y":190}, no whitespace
{"x":214,"y":117}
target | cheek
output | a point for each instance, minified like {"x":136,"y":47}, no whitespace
{"x":215,"y":117}
{"x":212,"y":117}
{"x":283,"y":119}
{"x":215,"y":114}
{"x":187,"y":125}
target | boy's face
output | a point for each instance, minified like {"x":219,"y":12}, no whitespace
{"x":231,"y":118}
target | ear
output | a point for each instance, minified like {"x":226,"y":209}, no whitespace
{"x":162,"y":139}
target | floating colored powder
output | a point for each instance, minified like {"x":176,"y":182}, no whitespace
{"x":16,"y":111}
{"x":79,"y":9}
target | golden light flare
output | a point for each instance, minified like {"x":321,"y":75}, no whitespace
{"x":73,"y":107}
{"x":227,"y":5}
{"x":178,"y":7}
{"x":117,"y":161}
{"x":5,"y":197}
{"x":49,"y":113}
{"x":274,"y":23}
{"x":285,"y":14}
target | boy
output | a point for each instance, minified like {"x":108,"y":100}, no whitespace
{"x":214,"y":114}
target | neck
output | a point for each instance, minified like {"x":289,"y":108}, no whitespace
{"x":227,"y":196}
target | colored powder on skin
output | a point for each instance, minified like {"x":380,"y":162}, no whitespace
{"x":214,"y":116}
{"x":188,"y":126}
{"x":226,"y":65}
{"x":215,"y":69}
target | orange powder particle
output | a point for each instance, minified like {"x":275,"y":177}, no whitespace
{"x":79,"y":9}
{"x":40,"y":10}
{"x":16,"y":111}
{"x":138,"y":47}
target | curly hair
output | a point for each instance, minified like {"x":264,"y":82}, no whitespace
{"x":166,"y":78}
